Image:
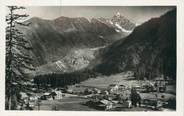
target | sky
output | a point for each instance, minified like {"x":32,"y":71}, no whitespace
{"x":136,"y":14}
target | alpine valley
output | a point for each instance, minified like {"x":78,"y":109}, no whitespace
{"x":104,"y":45}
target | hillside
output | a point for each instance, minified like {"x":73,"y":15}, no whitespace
{"x":77,"y":59}
{"x":54,"y":39}
{"x":150,"y":50}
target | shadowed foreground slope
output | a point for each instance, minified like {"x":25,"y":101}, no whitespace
{"x":150,"y":50}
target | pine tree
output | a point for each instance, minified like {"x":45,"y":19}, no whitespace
{"x":17,"y":56}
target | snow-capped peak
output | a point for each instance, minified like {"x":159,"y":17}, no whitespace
{"x":118,"y":14}
{"x":137,"y":24}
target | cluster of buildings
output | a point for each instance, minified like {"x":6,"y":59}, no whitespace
{"x":30,"y":100}
{"x":113,"y":97}
{"x":119,"y":96}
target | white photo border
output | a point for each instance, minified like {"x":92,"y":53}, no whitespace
{"x":180,"y":53}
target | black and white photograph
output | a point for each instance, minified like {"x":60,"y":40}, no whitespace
{"x":91,"y":58}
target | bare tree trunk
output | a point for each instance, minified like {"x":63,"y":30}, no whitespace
{"x":9,"y":63}
{"x":9,"y":102}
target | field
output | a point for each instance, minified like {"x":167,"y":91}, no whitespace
{"x":65,"y":104}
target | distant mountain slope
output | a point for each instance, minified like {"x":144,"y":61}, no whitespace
{"x":150,"y":50}
{"x":77,"y":59}
{"x":54,"y":39}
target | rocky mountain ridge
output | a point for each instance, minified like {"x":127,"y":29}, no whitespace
{"x":52,"y":40}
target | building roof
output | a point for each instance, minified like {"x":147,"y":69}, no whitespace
{"x":159,"y":79}
{"x":104,"y":101}
{"x":23,"y":95}
{"x":46,"y":93}
{"x":112,"y":85}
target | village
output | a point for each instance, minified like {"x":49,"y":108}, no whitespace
{"x":120,"y":92}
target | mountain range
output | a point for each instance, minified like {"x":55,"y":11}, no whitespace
{"x":67,"y":44}
{"x":104,"y":45}
{"x":150,"y":50}
{"x":52,"y":40}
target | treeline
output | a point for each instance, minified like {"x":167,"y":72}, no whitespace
{"x":63,"y":79}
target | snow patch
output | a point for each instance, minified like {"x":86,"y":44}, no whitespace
{"x":117,"y":30}
{"x":71,"y":29}
{"x":101,"y":36}
{"x":89,"y":19}
{"x":97,"y":48}
{"x":137,"y":24}
{"x":60,"y":64}
{"x":122,"y":29}
{"x":118,"y":14}
{"x":111,"y":22}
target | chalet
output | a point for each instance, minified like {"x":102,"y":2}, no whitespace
{"x":129,"y":74}
{"x":57,"y":94}
{"x":96,"y":91}
{"x":105,"y":92}
{"x":113,"y":88}
{"x":122,"y":87}
{"x":24,"y":95}
{"x":33,"y":98}
{"x":160,"y":84}
{"x":46,"y":96}
{"x":107,"y":105}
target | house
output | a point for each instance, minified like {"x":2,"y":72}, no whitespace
{"x":122,"y":87}
{"x":69,"y":90}
{"x":58,"y":94}
{"x":129,"y":74}
{"x":96,"y":91}
{"x":23,"y":95}
{"x":33,"y":98}
{"x":113,"y":88}
{"x":160,"y":84}
{"x":170,"y":81}
{"x":105,"y":92}
{"x":108,"y":105}
{"x":46,"y":96}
